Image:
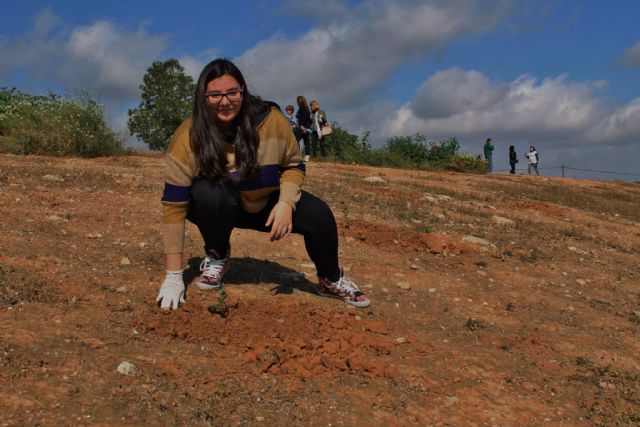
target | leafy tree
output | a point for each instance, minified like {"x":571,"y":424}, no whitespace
{"x":413,"y":148}
{"x":443,"y":150}
{"x":167,"y":97}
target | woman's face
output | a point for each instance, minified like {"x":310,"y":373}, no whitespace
{"x":224,"y":96}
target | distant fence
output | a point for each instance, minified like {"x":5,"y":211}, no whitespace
{"x":564,"y":168}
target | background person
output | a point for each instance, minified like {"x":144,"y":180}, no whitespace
{"x":235,"y":163}
{"x":304,"y":122}
{"x":318,"y":119}
{"x":488,"y":154}
{"x":532,"y":157}
{"x":513,"y":159}
{"x":293,"y":122}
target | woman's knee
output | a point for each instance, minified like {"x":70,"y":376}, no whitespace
{"x":213,"y":198}
{"x":314,"y":215}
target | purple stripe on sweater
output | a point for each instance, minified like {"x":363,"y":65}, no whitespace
{"x":269,"y":176}
{"x":176,"y":193}
{"x":300,"y":166}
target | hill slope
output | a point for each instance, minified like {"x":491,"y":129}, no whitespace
{"x":496,"y":300}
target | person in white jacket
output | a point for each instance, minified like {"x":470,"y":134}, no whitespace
{"x":318,"y":120}
{"x":532,"y":157}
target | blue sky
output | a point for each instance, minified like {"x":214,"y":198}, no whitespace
{"x":561,"y":75}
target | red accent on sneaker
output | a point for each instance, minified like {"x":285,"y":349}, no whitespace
{"x":343,"y":289}
{"x":213,"y":268}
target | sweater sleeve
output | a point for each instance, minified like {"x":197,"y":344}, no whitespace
{"x":180,"y":169}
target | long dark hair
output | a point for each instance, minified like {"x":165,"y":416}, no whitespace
{"x":207,"y":139}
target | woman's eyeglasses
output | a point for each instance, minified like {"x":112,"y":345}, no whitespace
{"x":234,"y":95}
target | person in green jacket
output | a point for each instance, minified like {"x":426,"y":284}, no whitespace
{"x":488,"y":154}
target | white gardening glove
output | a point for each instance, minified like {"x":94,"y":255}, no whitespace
{"x":172,"y":290}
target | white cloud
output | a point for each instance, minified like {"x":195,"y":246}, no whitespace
{"x":620,"y":127}
{"x":524,"y":108}
{"x":342,"y":60}
{"x":99,"y":57}
{"x":193,"y":66}
{"x":453,"y":92}
{"x":111,"y":61}
{"x":567,"y":121}
{"x":631,"y":57}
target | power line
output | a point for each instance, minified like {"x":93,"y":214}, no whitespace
{"x":592,"y":170}
{"x":563,"y":167}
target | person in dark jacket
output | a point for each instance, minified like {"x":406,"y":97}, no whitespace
{"x":304,"y":122}
{"x":293,"y":122}
{"x":513,"y":159}
{"x":488,"y":154}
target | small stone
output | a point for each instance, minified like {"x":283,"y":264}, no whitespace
{"x":450,"y":400}
{"x":122,"y":289}
{"x":414,"y":267}
{"x":400,"y":340}
{"x":375,"y":179}
{"x":142,"y":244}
{"x":430,"y":199}
{"x":443,"y":198}
{"x":307,"y":265}
{"x":481,"y":273}
{"x":56,"y":178}
{"x":432,"y":290}
{"x":125,"y":261}
{"x":126,"y":368}
{"x":54,"y":218}
{"x":500,"y":220}
{"x":476,"y":240}
{"x":581,"y":282}
{"x":405,"y":286}
{"x":259,"y":419}
{"x":385,"y":290}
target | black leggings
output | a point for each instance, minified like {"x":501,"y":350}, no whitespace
{"x":216,"y":210}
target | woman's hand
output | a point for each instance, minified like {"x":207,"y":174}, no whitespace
{"x":280,"y":220}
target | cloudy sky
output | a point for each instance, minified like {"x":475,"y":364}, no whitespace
{"x":561,"y":75}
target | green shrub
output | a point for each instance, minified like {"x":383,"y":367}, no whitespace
{"x":406,"y":152}
{"x":416,"y":150}
{"x":345,"y":147}
{"x":413,"y":149}
{"x":443,"y":151}
{"x":467,"y":163}
{"x":55,"y":125}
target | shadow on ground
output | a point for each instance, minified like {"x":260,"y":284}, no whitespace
{"x":252,"y":271}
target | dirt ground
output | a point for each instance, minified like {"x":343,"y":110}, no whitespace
{"x":497,"y":300}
